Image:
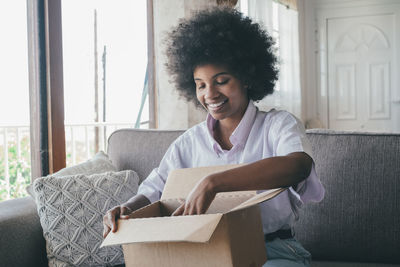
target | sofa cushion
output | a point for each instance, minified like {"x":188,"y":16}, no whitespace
{"x":71,"y":209}
{"x":358,"y":221}
{"x":349,"y":264}
{"x":98,"y":164}
{"x":21,"y":237}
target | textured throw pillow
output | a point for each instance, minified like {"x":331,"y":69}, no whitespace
{"x":98,"y":164}
{"x":71,"y":209}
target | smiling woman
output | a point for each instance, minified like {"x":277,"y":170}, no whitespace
{"x":225,"y":62}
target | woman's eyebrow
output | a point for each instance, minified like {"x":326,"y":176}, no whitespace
{"x":216,"y":75}
{"x":221,"y":73}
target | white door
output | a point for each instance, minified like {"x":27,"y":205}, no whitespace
{"x":362,"y":83}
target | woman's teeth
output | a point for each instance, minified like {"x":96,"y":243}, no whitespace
{"x":216,"y":105}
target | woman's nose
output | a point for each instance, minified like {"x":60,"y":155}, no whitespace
{"x":211,"y":92}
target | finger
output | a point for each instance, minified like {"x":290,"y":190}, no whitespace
{"x":125,"y":217}
{"x":106,"y":231}
{"x":187,"y":210}
{"x":179,"y":210}
{"x":202,"y":209}
{"x":125,"y":213}
{"x":193,"y":210}
{"x":125,"y":210}
{"x":106,"y":226}
{"x":199,"y":208}
{"x":111,"y":219}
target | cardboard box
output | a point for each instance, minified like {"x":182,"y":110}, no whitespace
{"x":229,"y":234}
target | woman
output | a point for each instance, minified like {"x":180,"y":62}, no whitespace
{"x":223,"y":61}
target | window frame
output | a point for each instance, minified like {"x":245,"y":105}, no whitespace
{"x":46,"y":92}
{"x":48,"y":147}
{"x":55,"y":85}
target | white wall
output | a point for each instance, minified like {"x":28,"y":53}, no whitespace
{"x":172,"y":112}
{"x":312,"y":40}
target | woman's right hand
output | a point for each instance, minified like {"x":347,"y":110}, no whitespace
{"x":111,"y":217}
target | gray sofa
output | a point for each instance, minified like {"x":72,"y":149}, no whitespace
{"x":357,"y":224}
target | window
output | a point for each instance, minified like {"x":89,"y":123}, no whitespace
{"x":121,"y":72}
{"x":104,"y":62}
{"x":15,"y":163}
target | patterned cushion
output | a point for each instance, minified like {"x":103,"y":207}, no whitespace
{"x":98,"y":164}
{"x":71,"y":209}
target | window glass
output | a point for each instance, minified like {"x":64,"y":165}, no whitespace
{"x":104,"y":50}
{"x":14,"y":101}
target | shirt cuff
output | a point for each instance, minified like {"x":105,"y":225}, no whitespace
{"x":150,"y":193}
{"x":309,"y":190}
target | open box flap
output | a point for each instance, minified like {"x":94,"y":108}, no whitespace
{"x":181,"y":181}
{"x":264,"y":196}
{"x":197,"y":228}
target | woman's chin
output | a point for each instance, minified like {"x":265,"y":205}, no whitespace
{"x":217,"y":116}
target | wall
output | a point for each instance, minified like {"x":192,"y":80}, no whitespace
{"x":308,"y":49}
{"x":172,"y":112}
{"x":314,"y":73}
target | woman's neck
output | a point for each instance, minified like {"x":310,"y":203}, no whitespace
{"x":222,"y":133}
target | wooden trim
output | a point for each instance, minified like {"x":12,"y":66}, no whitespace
{"x":151,"y":69}
{"x":55,"y":90}
{"x":34,"y":87}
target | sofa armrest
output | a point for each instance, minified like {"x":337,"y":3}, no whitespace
{"x":21,"y":236}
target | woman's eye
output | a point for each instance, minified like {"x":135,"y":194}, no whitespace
{"x":222,"y":82}
{"x":201,"y":86}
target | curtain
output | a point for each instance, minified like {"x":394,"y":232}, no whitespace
{"x":282,"y":23}
{"x":292,"y":4}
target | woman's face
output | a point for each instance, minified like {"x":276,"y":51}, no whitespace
{"x":220,"y":93}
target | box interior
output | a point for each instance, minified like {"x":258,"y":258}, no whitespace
{"x":222,"y":204}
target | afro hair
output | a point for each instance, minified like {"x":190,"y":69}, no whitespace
{"x":225,"y":37}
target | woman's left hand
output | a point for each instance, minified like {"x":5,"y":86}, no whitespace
{"x":199,"y":199}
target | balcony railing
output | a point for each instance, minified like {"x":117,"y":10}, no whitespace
{"x":15,"y":163}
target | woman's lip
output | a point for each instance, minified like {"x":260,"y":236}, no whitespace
{"x":215,"y":108}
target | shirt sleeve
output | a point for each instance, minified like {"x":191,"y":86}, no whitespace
{"x":288,"y":136}
{"x":153,"y":186}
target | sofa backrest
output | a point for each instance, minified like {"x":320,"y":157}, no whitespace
{"x":139,"y":150}
{"x":359,"y":218}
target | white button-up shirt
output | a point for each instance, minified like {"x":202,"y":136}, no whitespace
{"x":259,"y":135}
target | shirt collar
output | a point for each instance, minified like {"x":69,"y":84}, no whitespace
{"x":242,"y":131}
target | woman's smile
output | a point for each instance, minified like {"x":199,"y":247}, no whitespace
{"x":220,"y":93}
{"x":216,"y":106}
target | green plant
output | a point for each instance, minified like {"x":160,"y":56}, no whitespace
{"x":19,"y":169}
